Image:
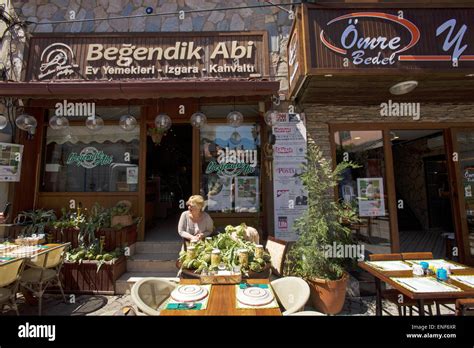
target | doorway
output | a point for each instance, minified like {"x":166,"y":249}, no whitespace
{"x":169,"y":182}
{"x":422,"y":185}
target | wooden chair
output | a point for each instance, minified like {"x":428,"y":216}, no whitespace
{"x":393,"y":295}
{"x":277,"y":249}
{"x":465,"y":307}
{"x":43,"y":272}
{"x":10,"y":273}
{"x":417,"y":256}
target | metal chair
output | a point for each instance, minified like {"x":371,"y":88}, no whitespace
{"x":10,"y":273}
{"x":150,"y":293}
{"x":292,"y":293}
{"x":44,"y":271}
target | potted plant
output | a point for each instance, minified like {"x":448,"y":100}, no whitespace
{"x":321,"y":228}
{"x":156,"y":134}
{"x":121,"y":215}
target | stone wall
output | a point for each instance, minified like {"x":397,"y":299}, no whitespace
{"x":271,"y":19}
{"x":319,"y":116}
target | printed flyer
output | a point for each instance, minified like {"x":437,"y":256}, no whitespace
{"x":10,"y":161}
{"x":289,"y":154}
{"x":219,"y":193}
{"x":371,"y":197}
{"x":246,"y":194}
{"x":132,"y":175}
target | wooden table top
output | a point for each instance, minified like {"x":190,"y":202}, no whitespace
{"x":386,"y":276}
{"x":222,"y":301}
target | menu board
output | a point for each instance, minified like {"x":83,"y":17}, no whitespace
{"x":289,"y":155}
{"x":10,"y":161}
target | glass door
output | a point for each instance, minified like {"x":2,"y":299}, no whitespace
{"x":463,"y":146}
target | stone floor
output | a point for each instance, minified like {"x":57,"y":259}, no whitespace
{"x":109,"y":305}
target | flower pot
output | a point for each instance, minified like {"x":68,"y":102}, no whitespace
{"x":328,"y":296}
{"x":156,"y":137}
{"x":123,"y":220}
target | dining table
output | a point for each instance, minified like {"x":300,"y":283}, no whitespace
{"x":400,"y":279}
{"x":11,"y":253}
{"x":222,"y":302}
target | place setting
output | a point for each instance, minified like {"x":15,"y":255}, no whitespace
{"x":189,"y":297}
{"x":250,"y":296}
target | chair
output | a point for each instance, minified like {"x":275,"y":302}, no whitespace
{"x":277,"y":250}
{"x":151,"y":293}
{"x":44,"y":271}
{"x":393,"y":295}
{"x":465,"y":307}
{"x":292,"y":293}
{"x":10,"y":273}
{"x":417,"y":256}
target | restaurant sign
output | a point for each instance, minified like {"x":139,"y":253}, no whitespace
{"x":89,"y":57}
{"x":396,"y":38}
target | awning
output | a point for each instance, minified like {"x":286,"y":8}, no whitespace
{"x":76,"y":135}
{"x":141,"y":89}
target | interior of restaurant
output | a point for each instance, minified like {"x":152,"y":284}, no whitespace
{"x":169,"y":181}
{"x":425,"y":216}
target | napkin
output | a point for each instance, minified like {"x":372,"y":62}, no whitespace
{"x":245,"y":286}
{"x":197,"y":306}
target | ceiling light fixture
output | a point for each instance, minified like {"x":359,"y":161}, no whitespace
{"x":403,"y":87}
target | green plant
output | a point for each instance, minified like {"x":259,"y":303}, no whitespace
{"x":229,"y":245}
{"x":37,"y":220}
{"x":321,"y":225}
{"x":121,"y":209}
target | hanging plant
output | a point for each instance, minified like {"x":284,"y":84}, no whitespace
{"x":156,"y":134}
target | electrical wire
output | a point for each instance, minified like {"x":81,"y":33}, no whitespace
{"x":270,"y":4}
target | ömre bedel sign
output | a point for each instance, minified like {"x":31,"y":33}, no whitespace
{"x":89,"y":57}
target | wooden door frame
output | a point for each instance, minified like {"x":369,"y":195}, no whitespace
{"x":449,"y":130}
{"x":462,"y":235}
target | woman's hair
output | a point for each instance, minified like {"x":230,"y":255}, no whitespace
{"x":198,"y":201}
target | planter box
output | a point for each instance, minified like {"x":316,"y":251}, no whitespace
{"x":114,"y":238}
{"x":84,"y":279}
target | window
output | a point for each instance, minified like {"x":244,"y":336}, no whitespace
{"x":365,"y":187}
{"x":79,"y":160}
{"x":230,"y":173}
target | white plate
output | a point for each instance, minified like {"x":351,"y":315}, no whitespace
{"x":189,"y":293}
{"x":255,"y":296}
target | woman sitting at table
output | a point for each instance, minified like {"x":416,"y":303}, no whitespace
{"x":195,"y":224}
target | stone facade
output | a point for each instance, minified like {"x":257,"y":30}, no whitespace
{"x":319,"y":116}
{"x":271,"y":19}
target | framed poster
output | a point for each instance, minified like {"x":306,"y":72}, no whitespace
{"x":246,"y":194}
{"x":10,"y":161}
{"x":371,"y":197}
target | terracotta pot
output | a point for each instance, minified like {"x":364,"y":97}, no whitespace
{"x":156,"y":137}
{"x":328,"y":296}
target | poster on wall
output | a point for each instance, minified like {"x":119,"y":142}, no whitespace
{"x":10,"y":161}
{"x":246,"y":194}
{"x":219,"y":193}
{"x":289,"y":155}
{"x":371,"y":197}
